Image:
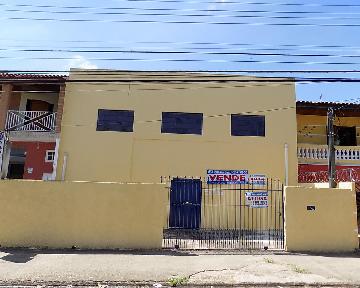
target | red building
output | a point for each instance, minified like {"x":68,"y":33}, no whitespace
{"x":30,"y":116}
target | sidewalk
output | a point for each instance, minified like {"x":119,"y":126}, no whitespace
{"x":59,"y":267}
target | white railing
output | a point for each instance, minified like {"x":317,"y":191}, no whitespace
{"x":320,"y":152}
{"x":33,"y":121}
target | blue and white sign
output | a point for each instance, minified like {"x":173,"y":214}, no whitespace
{"x":227,"y":176}
{"x":257,"y":179}
{"x":257,"y":199}
{"x":2,"y":144}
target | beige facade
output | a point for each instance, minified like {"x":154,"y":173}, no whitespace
{"x":85,"y":215}
{"x":319,"y":219}
{"x":146,"y":154}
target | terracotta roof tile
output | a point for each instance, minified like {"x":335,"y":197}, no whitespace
{"x":31,"y":76}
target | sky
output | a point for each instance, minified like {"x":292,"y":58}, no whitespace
{"x":188,"y":35}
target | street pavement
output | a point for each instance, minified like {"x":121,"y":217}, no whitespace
{"x":30,"y":267}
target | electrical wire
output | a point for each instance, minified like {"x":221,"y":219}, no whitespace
{"x":186,"y":60}
{"x":149,"y":21}
{"x":283,"y":14}
{"x":132,"y":51}
{"x":257,"y":3}
{"x":156,"y":87}
{"x":161,"y":13}
{"x":285,"y":46}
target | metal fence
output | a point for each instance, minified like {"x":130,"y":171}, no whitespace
{"x":223,"y":216}
{"x":33,"y":121}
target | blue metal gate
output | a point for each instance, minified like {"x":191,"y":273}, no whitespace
{"x":223,"y":216}
{"x":185,"y":203}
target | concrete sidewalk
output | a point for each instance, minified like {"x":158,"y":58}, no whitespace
{"x":59,"y":267}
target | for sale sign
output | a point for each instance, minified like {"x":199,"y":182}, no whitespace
{"x":227,"y":176}
{"x":257,"y":199}
{"x":257,"y":179}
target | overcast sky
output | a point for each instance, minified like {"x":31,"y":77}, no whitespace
{"x":211,"y":35}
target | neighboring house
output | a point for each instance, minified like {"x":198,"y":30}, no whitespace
{"x":138,"y":126}
{"x":30,"y":117}
{"x":312,"y":141}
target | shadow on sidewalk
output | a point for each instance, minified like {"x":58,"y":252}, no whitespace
{"x":18,"y":256}
{"x":24,"y":255}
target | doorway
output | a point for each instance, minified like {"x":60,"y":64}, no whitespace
{"x":185,"y":203}
{"x":16,"y":164}
{"x":39,"y":105}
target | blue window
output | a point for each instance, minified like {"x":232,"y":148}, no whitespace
{"x":247,"y":125}
{"x":115,"y":120}
{"x":182,"y":123}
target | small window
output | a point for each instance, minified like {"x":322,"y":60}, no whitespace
{"x":345,"y":136}
{"x":247,"y":125}
{"x":50,"y":156}
{"x":115,"y":120}
{"x":182,"y":123}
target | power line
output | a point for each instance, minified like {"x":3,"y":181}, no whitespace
{"x":186,"y":60}
{"x":257,"y":3}
{"x":156,"y":87}
{"x":132,"y":51}
{"x":148,"y":21}
{"x":283,"y":14}
{"x":286,"y":46}
{"x":160,"y":12}
{"x":195,"y":50}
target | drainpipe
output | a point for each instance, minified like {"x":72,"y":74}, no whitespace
{"x":2,"y":151}
{"x":286,"y":150}
{"x":64,"y":167}
{"x":56,"y":158}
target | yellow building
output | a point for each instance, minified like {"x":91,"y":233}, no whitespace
{"x":175,"y":124}
{"x":146,"y":154}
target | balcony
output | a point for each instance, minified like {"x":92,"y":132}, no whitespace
{"x":310,"y":153}
{"x":30,"y":121}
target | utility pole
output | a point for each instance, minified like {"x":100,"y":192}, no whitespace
{"x":331,"y":148}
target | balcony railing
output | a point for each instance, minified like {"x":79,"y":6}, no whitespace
{"x":32,"y":121}
{"x":320,"y":152}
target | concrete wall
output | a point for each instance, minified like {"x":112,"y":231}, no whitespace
{"x":146,"y":154}
{"x":86,"y":215}
{"x":331,"y":227}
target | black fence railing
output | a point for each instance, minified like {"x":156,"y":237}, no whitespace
{"x":223,"y":216}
